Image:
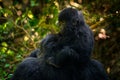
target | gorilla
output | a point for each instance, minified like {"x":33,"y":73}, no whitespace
{"x":35,"y":53}
{"x":65,"y":55}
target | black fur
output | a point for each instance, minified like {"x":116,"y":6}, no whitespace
{"x":35,"y":53}
{"x":64,"y":56}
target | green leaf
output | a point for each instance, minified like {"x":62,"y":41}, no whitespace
{"x":7,"y":65}
{"x":4,"y":44}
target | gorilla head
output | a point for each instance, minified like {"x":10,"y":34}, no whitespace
{"x":71,"y":18}
{"x":71,"y":15}
{"x":73,"y":25}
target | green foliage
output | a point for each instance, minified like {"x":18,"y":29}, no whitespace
{"x":22,"y":32}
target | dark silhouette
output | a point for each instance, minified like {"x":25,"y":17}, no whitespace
{"x":65,"y":55}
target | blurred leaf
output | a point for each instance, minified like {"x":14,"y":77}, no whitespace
{"x":4,"y":49}
{"x":33,"y":22}
{"x":7,"y":65}
{"x":10,"y":75}
{"x":33,"y":3}
{"x":10,"y":52}
{"x":30,"y":15}
{"x":4,"y":44}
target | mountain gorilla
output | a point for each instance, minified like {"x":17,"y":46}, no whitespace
{"x":65,"y":55}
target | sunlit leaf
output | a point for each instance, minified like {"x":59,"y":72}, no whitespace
{"x":4,"y":44}
{"x":30,"y":15}
{"x":10,"y":52}
{"x":26,"y":38}
{"x":7,"y":65}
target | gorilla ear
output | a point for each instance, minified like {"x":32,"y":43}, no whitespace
{"x":78,"y":20}
{"x":81,"y":18}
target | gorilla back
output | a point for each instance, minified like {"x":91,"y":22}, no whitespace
{"x":36,"y":69}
